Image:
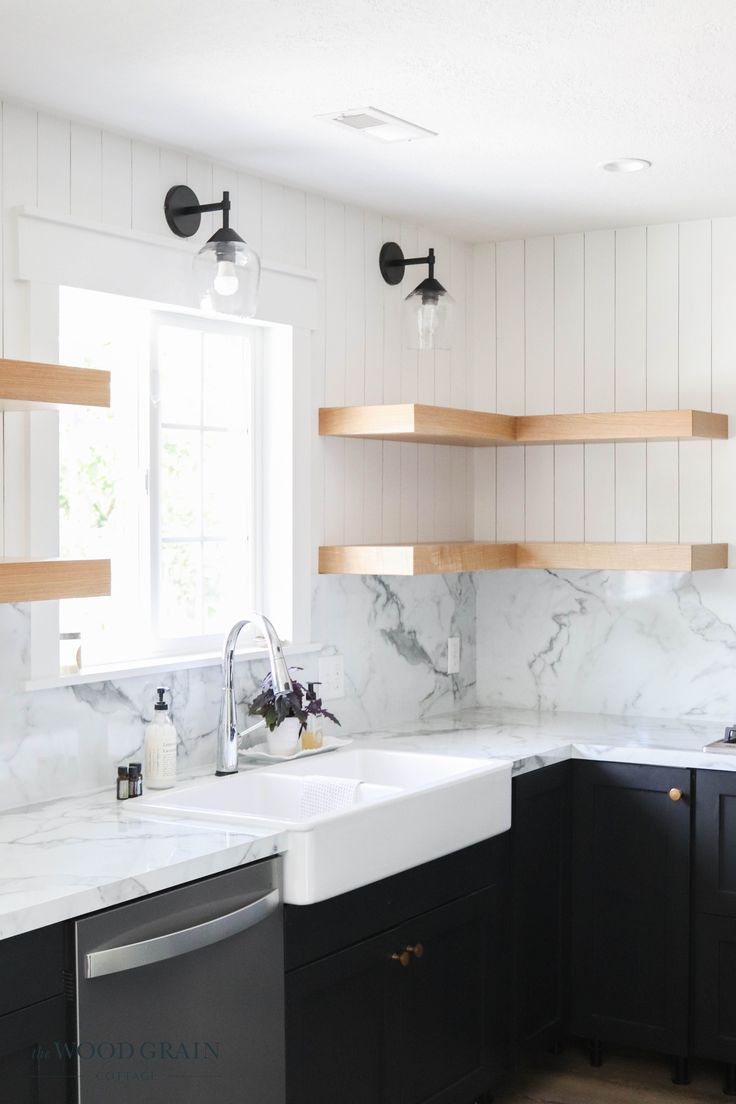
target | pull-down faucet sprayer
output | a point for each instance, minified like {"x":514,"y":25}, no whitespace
{"x":227,"y":733}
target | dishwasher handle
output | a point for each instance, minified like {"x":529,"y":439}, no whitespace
{"x":114,"y":960}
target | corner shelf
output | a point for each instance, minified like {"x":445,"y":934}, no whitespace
{"x":440,"y":558}
{"x":46,"y":580}
{"x":28,"y":385}
{"x":442,"y":425}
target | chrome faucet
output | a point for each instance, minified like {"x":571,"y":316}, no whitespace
{"x":228,"y":736}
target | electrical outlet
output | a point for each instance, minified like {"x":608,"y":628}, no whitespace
{"x":331,"y":677}
{"x":453,"y":655}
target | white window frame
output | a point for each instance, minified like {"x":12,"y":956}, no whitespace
{"x":55,"y":250}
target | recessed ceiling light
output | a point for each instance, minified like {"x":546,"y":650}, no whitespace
{"x":372,"y":123}
{"x":626,"y":165}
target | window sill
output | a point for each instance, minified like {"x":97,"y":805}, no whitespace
{"x":160,"y":664}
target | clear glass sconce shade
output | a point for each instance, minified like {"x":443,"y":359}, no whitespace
{"x":228,"y":274}
{"x":429,"y":316}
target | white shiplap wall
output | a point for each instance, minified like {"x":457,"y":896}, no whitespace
{"x":634,"y":319}
{"x":362,"y":491}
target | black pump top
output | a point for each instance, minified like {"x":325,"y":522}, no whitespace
{"x":161,"y":704}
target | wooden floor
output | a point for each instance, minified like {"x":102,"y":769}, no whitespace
{"x":625,"y":1077}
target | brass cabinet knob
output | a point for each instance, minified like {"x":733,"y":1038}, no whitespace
{"x":674,"y":794}
{"x":403,"y":957}
{"x":417,"y":950}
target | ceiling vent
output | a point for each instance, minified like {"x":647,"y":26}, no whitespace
{"x":379,"y":124}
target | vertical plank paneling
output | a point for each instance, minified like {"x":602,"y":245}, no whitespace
{"x":354,"y":366}
{"x":483,"y":385}
{"x":662,"y":378}
{"x":86,"y":172}
{"x":250,"y":213}
{"x":335,"y":338}
{"x":539,"y":314}
{"x":510,"y":365}
{"x":409,"y":478}
{"x":569,"y":383}
{"x":54,"y":185}
{"x":373,"y":384}
{"x":724,"y":379}
{"x":510,"y":339}
{"x":392,"y":343}
{"x":631,"y":379}
{"x":600,"y":380}
{"x":147,"y":200}
{"x":695,"y":384}
{"x":283,"y":225}
{"x":117,"y":180}
{"x":315,"y":252}
{"x":19,"y":176}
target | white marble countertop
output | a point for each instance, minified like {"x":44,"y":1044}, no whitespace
{"x":64,"y":858}
{"x":532,"y":740}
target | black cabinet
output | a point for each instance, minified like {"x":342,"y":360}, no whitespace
{"x":33,"y":1066}
{"x":541,"y":905}
{"x":714,"y":944}
{"x":715,"y":842}
{"x":714,"y":988}
{"x":631,"y":905}
{"x":412,"y":1014}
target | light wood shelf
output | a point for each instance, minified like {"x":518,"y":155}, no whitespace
{"x":415,"y":559}
{"x":441,"y":425}
{"x":46,"y":580}
{"x":440,"y":558}
{"x":28,"y":385}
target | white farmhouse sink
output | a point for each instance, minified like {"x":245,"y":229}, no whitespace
{"x":409,"y":808}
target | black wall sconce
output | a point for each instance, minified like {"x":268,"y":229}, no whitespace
{"x":428,"y":308}
{"x":226,"y":269}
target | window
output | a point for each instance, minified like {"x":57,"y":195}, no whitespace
{"x":164,"y":482}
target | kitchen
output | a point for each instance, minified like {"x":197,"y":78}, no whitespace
{"x":486,"y":528}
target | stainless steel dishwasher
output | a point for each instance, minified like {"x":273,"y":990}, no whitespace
{"x":179,"y":997}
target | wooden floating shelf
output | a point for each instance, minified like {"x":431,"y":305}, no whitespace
{"x":47,"y":580}
{"x":414,"y":559}
{"x":441,"y":425}
{"x":425,"y":559}
{"x":27,"y":385}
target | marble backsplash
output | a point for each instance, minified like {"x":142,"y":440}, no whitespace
{"x":392,"y":633}
{"x":648,"y":644}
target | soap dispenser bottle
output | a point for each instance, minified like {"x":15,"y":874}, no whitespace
{"x":160,"y":747}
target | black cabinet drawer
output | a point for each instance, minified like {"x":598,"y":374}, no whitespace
{"x":715,"y":842}
{"x":714,"y":988}
{"x":31,"y":967}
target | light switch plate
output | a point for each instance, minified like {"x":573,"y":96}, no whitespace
{"x":332,"y":677}
{"x":453,"y":655}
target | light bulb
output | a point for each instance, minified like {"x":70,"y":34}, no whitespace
{"x":226,"y":280}
{"x":427,"y":323}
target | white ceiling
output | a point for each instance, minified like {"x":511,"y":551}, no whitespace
{"x":528,"y":97}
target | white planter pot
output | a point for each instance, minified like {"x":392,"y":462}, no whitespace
{"x":284,"y":740}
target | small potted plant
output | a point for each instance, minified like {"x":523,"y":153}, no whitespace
{"x":286,"y":714}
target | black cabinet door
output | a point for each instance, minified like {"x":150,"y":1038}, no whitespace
{"x":541,"y":904}
{"x":631,"y":899}
{"x":715,"y":842}
{"x":714,"y":988}
{"x":33,"y":1066}
{"x":339,"y":1025}
{"x":365,"y":1028}
{"x":448,"y":1000}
